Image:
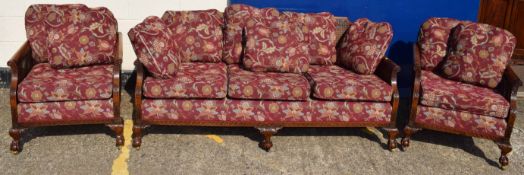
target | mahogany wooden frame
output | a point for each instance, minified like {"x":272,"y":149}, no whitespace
{"x":508,"y":88}
{"x":22,"y":63}
{"x":387,"y":71}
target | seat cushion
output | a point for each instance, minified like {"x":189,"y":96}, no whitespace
{"x":44,"y":83}
{"x":453,"y":95}
{"x":66,"y":112}
{"x":198,"y":32}
{"x":193,"y":80}
{"x":460,"y":122}
{"x":364,"y":45}
{"x":478,"y":54}
{"x":245,"y":84}
{"x":336,"y":83}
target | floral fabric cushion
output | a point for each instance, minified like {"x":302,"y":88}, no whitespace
{"x":37,"y":29}
{"x":239,"y":16}
{"x":453,"y":95}
{"x":153,"y":44}
{"x":197,"y":33}
{"x":193,"y":80}
{"x":45,"y":84}
{"x":66,"y":112}
{"x":320,"y":32}
{"x":275,"y":49}
{"x":191,"y":110}
{"x":463,"y":122}
{"x":364,"y":45}
{"x":336,"y":83}
{"x":479,"y":54}
{"x":81,"y":37}
{"x":245,"y":84}
{"x":433,"y":40}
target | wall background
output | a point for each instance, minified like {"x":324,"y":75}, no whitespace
{"x":405,"y":16}
{"x":127,"y":12}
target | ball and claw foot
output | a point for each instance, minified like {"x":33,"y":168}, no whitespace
{"x":15,"y":147}
{"x":15,"y":144}
{"x":392,"y":145}
{"x":405,"y":142}
{"x":266,"y":145}
{"x":504,"y":161}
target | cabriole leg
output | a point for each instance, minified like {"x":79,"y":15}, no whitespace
{"x":15,"y":133}
{"x":267,"y":132}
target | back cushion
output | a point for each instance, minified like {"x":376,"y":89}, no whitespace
{"x":80,"y":37}
{"x":433,"y":41}
{"x":197,"y":33}
{"x":37,"y":29}
{"x":275,"y":48}
{"x":237,"y":17}
{"x":320,"y":31}
{"x":478,"y":54}
{"x":153,"y":44}
{"x":364,"y":45}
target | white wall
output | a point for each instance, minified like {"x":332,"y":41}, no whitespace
{"x":127,"y":12}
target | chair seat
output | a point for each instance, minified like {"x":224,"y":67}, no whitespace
{"x":447,"y":94}
{"x":192,"y":80}
{"x":336,"y":83}
{"x":46,"y":84}
{"x":245,"y":84}
{"x":460,"y":122}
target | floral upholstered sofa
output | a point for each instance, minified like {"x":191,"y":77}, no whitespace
{"x":263,"y":68}
{"x":68,"y":72}
{"x":463,"y":82}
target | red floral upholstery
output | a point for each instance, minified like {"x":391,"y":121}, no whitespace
{"x":364,"y":45}
{"x":239,"y":16}
{"x":45,"y":84}
{"x":479,"y":54}
{"x":80,"y":37}
{"x":197,"y":33}
{"x":463,"y":122}
{"x":452,"y":95}
{"x":66,"y":112}
{"x":433,"y":40}
{"x":245,"y":84}
{"x":180,"y":110}
{"x":153,"y":44}
{"x":320,"y":31}
{"x":275,"y":49}
{"x":336,"y":83}
{"x":193,"y":80}
{"x":37,"y":29}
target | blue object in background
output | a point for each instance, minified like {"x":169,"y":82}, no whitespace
{"x":405,"y":16}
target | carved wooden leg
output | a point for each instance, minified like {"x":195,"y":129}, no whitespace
{"x":137,"y":136}
{"x":392,"y":138}
{"x":119,"y":132}
{"x":267,"y":132}
{"x":408,"y":132}
{"x":15,"y":144}
{"x":505,"y":148}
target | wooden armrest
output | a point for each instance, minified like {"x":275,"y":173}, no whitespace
{"x":509,"y":84}
{"x":20,"y":64}
{"x":138,"y":89}
{"x":117,"y":67}
{"x":387,"y":70}
{"x":416,"y":83}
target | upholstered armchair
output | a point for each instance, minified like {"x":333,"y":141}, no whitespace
{"x":444,"y":101}
{"x":62,"y":90}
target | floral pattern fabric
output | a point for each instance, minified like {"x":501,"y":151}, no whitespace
{"x":66,"y":112}
{"x":186,"y":110}
{"x":320,"y":33}
{"x":275,"y":49}
{"x":245,"y":84}
{"x":237,"y":17}
{"x":197,"y":33}
{"x":479,"y":54}
{"x":433,"y":40}
{"x":45,"y":84}
{"x":80,"y":37}
{"x":453,"y":95}
{"x":153,"y":44}
{"x":37,"y":29}
{"x":193,"y":80}
{"x":364,"y":45}
{"x":450,"y":120}
{"x":336,"y":83}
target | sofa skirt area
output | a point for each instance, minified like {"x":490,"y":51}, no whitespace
{"x":253,"y":112}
